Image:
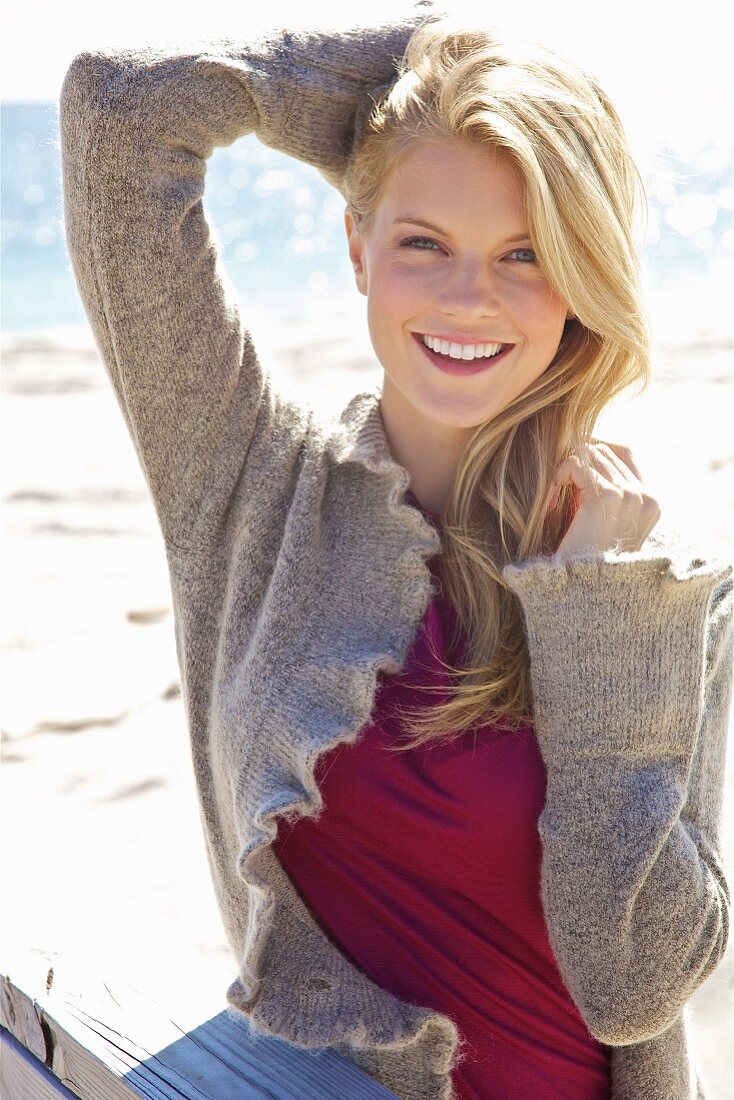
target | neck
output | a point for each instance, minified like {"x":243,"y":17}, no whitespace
{"x":429,"y":451}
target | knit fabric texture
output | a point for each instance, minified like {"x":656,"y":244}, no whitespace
{"x":298,"y":572}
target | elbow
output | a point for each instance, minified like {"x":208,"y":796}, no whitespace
{"x":82,"y":91}
{"x":631,"y":1025}
{"x":642,"y":1000}
{"x":92,"y":105}
{"x":86,"y":79}
{"x":638,"y":1011}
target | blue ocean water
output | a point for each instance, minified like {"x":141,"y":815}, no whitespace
{"x":280,"y":230}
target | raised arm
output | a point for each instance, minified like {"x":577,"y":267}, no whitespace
{"x":631,"y":665}
{"x":137,"y":127}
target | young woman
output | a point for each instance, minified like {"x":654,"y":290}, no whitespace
{"x":458,"y":703}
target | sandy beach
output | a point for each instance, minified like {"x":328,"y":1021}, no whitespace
{"x":103,"y":846}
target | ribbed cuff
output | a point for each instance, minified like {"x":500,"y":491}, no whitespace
{"x":617,"y":647}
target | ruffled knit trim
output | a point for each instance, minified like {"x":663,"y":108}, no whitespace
{"x":294,"y":982}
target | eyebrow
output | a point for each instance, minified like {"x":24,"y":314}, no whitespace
{"x":436,"y":229}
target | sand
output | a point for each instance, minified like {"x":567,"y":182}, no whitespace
{"x":103,"y":847}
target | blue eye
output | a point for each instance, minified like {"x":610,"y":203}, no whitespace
{"x":409,"y":241}
{"x":526,"y":251}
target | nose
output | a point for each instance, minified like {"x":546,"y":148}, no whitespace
{"x":470,"y":290}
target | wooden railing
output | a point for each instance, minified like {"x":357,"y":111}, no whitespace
{"x":70,"y":1031}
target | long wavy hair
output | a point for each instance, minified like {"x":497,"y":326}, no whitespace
{"x":582,"y":190}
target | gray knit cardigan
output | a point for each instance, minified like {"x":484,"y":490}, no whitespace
{"x":298,"y":571}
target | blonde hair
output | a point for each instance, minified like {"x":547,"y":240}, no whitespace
{"x":581,"y":192}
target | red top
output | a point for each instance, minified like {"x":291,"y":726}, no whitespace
{"x":425,"y":871}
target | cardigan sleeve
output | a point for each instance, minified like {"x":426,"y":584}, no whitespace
{"x":631,"y":673}
{"x":137,"y":127}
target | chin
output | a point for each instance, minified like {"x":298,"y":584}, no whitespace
{"x":456,"y":410}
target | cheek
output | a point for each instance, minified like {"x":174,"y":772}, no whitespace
{"x":542,"y":311}
{"x":400,"y":287}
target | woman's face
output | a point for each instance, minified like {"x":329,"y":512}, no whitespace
{"x":447,"y":255}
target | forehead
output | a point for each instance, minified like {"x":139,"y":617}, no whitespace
{"x":459,"y":181}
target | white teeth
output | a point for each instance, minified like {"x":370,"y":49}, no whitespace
{"x":462,"y":351}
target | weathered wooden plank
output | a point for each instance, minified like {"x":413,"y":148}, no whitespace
{"x":22,"y":1021}
{"x":106,"y":1040}
{"x":23,"y":1077}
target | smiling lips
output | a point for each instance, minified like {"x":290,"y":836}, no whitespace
{"x":462,"y":360}
{"x":467,"y":352}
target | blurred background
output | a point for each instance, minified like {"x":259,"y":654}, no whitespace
{"x":95,"y":750}
{"x":669,"y":80}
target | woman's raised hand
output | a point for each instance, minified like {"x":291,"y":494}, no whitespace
{"x":613,"y":508}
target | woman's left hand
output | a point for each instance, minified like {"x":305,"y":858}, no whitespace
{"x":613,"y":507}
